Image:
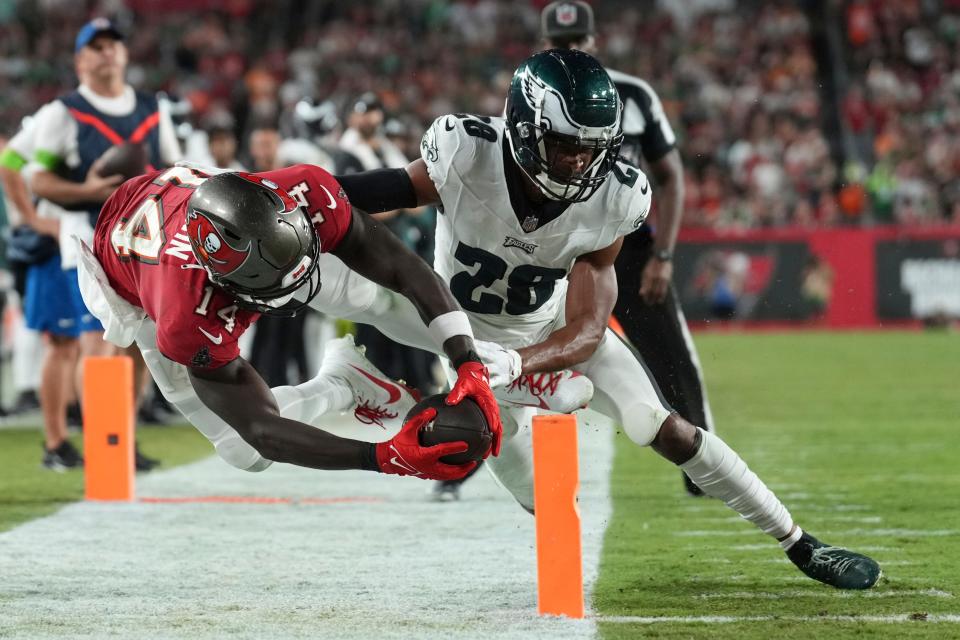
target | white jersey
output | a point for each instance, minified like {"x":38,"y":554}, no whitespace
{"x":511,"y":281}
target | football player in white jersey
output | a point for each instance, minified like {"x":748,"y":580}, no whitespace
{"x":533,"y":210}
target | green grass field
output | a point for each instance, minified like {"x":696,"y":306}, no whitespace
{"x":27,"y":490}
{"x":857,"y":433}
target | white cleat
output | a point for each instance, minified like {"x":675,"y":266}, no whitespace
{"x":559,"y":391}
{"x":376,"y":397}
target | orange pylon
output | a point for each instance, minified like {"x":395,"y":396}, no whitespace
{"x":556,"y":480}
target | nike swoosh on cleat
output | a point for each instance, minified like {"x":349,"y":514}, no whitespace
{"x":215,"y":339}
{"x":389,"y":388}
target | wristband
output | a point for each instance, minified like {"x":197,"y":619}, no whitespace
{"x":368,"y":461}
{"x":469,"y":356}
{"x":448,"y":325}
{"x":664,"y":255}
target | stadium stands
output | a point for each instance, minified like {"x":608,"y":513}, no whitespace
{"x":769,"y":135}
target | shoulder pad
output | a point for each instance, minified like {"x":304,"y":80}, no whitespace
{"x":453,"y":140}
{"x":630,"y":194}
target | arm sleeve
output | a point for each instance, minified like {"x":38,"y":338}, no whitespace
{"x":11,"y":159}
{"x":379,"y":190}
{"x":19,"y":148}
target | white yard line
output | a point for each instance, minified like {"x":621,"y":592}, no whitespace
{"x":339,"y":555}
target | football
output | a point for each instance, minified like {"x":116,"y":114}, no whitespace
{"x":460,"y":422}
{"x":128,"y":160}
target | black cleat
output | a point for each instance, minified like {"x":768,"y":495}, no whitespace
{"x":26,"y":402}
{"x":834,"y":566}
{"x":142,"y":462}
{"x":74,"y":416}
{"x":149,"y":414}
{"x":64,"y":457}
{"x":692,"y":489}
{"x":445,"y":491}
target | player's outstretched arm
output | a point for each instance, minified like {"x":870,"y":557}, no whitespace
{"x":591,"y":296}
{"x":238,"y":394}
{"x":389,"y":189}
{"x":370,"y":249}
{"x":373,"y":251}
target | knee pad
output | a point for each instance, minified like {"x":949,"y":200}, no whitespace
{"x":642,"y":422}
{"x":228,"y":444}
{"x":236,"y":452}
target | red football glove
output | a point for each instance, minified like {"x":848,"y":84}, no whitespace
{"x":473,"y":382}
{"x":403,"y":455}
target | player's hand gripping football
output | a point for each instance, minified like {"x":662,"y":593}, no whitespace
{"x":473,"y":381}
{"x":403,"y":455}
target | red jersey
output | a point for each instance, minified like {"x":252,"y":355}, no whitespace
{"x":141,"y":242}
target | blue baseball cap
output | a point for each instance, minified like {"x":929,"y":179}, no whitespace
{"x":94,"y":28}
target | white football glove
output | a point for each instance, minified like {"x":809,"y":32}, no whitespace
{"x":503,"y":364}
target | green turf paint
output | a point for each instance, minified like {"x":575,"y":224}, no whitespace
{"x":856,"y":424}
{"x":28,"y":491}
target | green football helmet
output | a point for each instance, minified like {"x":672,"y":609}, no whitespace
{"x":563,"y":105}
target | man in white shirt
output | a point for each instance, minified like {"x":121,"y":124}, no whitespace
{"x":73,"y":133}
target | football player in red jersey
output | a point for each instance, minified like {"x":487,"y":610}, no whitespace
{"x":183,"y":262}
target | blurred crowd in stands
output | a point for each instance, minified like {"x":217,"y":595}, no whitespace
{"x":903,"y":106}
{"x":782,"y":119}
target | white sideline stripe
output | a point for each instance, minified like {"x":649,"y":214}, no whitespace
{"x":896,"y":618}
{"x":405,"y":568}
{"x":868,"y":593}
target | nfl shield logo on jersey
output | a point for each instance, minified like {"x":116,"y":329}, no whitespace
{"x":530,"y":223}
{"x":566,"y":15}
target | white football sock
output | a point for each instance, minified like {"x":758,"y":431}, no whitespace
{"x":318,"y":396}
{"x":721,"y":473}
